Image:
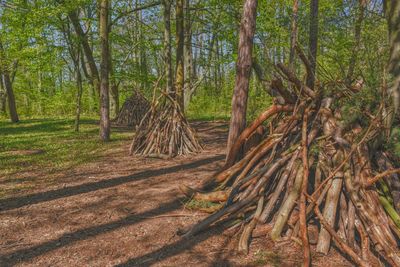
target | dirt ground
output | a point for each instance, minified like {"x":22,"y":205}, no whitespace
{"x":125,"y":211}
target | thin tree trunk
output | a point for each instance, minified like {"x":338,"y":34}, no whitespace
{"x":188,"y":55}
{"x":180,"y":42}
{"x":167,"y":45}
{"x":313,"y":42}
{"x":142,"y":53}
{"x":243,"y":71}
{"x":114,"y":93}
{"x":12,"y":106}
{"x":104,"y":70}
{"x":78,"y":93}
{"x":293,"y":34}
{"x":3,"y":97}
{"x":357,"y":38}
{"x":94,"y":73}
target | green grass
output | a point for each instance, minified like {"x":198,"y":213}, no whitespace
{"x":262,"y":258}
{"x":195,"y":204}
{"x":60,"y":147}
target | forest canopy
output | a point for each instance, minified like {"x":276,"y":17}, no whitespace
{"x":40,"y":45}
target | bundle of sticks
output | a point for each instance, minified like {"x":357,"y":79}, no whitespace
{"x":133,"y":110}
{"x":164,"y":131}
{"x":310,"y":170}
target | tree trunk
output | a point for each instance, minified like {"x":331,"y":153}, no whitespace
{"x":313,"y":42}
{"x":78,"y":93}
{"x":3,"y":97}
{"x":94,"y":73}
{"x":5,"y":77}
{"x":392,"y":10}
{"x":243,"y":71}
{"x":12,"y":106}
{"x":180,"y":42}
{"x":357,"y":39}
{"x":114,"y":92}
{"x":188,"y":55}
{"x":293,"y":34}
{"x":167,"y":44}
{"x":104,"y":71}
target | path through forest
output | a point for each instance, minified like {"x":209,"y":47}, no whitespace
{"x":123,"y":210}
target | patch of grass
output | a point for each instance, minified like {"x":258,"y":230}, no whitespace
{"x":60,"y":147}
{"x":200,"y":204}
{"x":262,"y":258}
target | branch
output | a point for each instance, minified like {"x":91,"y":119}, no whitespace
{"x":377,"y":177}
{"x":299,"y":85}
{"x":132,"y":11}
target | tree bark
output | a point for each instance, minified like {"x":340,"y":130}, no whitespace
{"x":188,"y":55}
{"x":12,"y":106}
{"x":313,"y":43}
{"x":78,"y":93}
{"x":243,"y":71}
{"x":167,"y":45}
{"x":3,"y":97}
{"x":180,"y":42}
{"x":114,"y":92}
{"x":293,"y":34}
{"x":5,"y":77}
{"x":104,"y":71}
{"x":392,"y":10}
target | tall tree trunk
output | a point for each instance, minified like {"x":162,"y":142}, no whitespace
{"x":94,"y":73}
{"x":12,"y":106}
{"x":293,"y":34}
{"x":243,"y":71}
{"x":357,"y":39}
{"x":79,"y":92}
{"x":392,"y":10}
{"x":313,"y":42}
{"x":114,"y":93}
{"x":3,"y":97}
{"x":180,"y":43}
{"x":142,"y":52}
{"x":167,"y":45}
{"x":104,"y":71}
{"x":5,"y":77}
{"x":188,"y":55}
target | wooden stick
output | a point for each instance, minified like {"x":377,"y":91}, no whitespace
{"x":303,"y":215}
{"x":339,"y":242}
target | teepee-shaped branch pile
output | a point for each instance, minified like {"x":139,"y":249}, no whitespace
{"x":164,"y":132}
{"x":133,"y":110}
{"x":312,"y":170}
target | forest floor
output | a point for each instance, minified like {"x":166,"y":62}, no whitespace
{"x":113,"y":209}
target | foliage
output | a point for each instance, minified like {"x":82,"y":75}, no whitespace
{"x":45,"y":82}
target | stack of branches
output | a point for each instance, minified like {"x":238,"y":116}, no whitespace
{"x":133,"y":110}
{"x":164,"y":132}
{"x":311,"y":171}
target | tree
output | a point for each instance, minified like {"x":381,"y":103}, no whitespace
{"x":313,"y":42}
{"x":167,"y":44}
{"x":357,"y":40}
{"x":74,"y":50}
{"x":188,"y":61}
{"x":293,"y":33}
{"x":104,"y":72}
{"x":243,"y":71}
{"x":7,"y":82}
{"x":180,"y":59}
{"x":93,"y":71}
{"x":392,"y":10}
